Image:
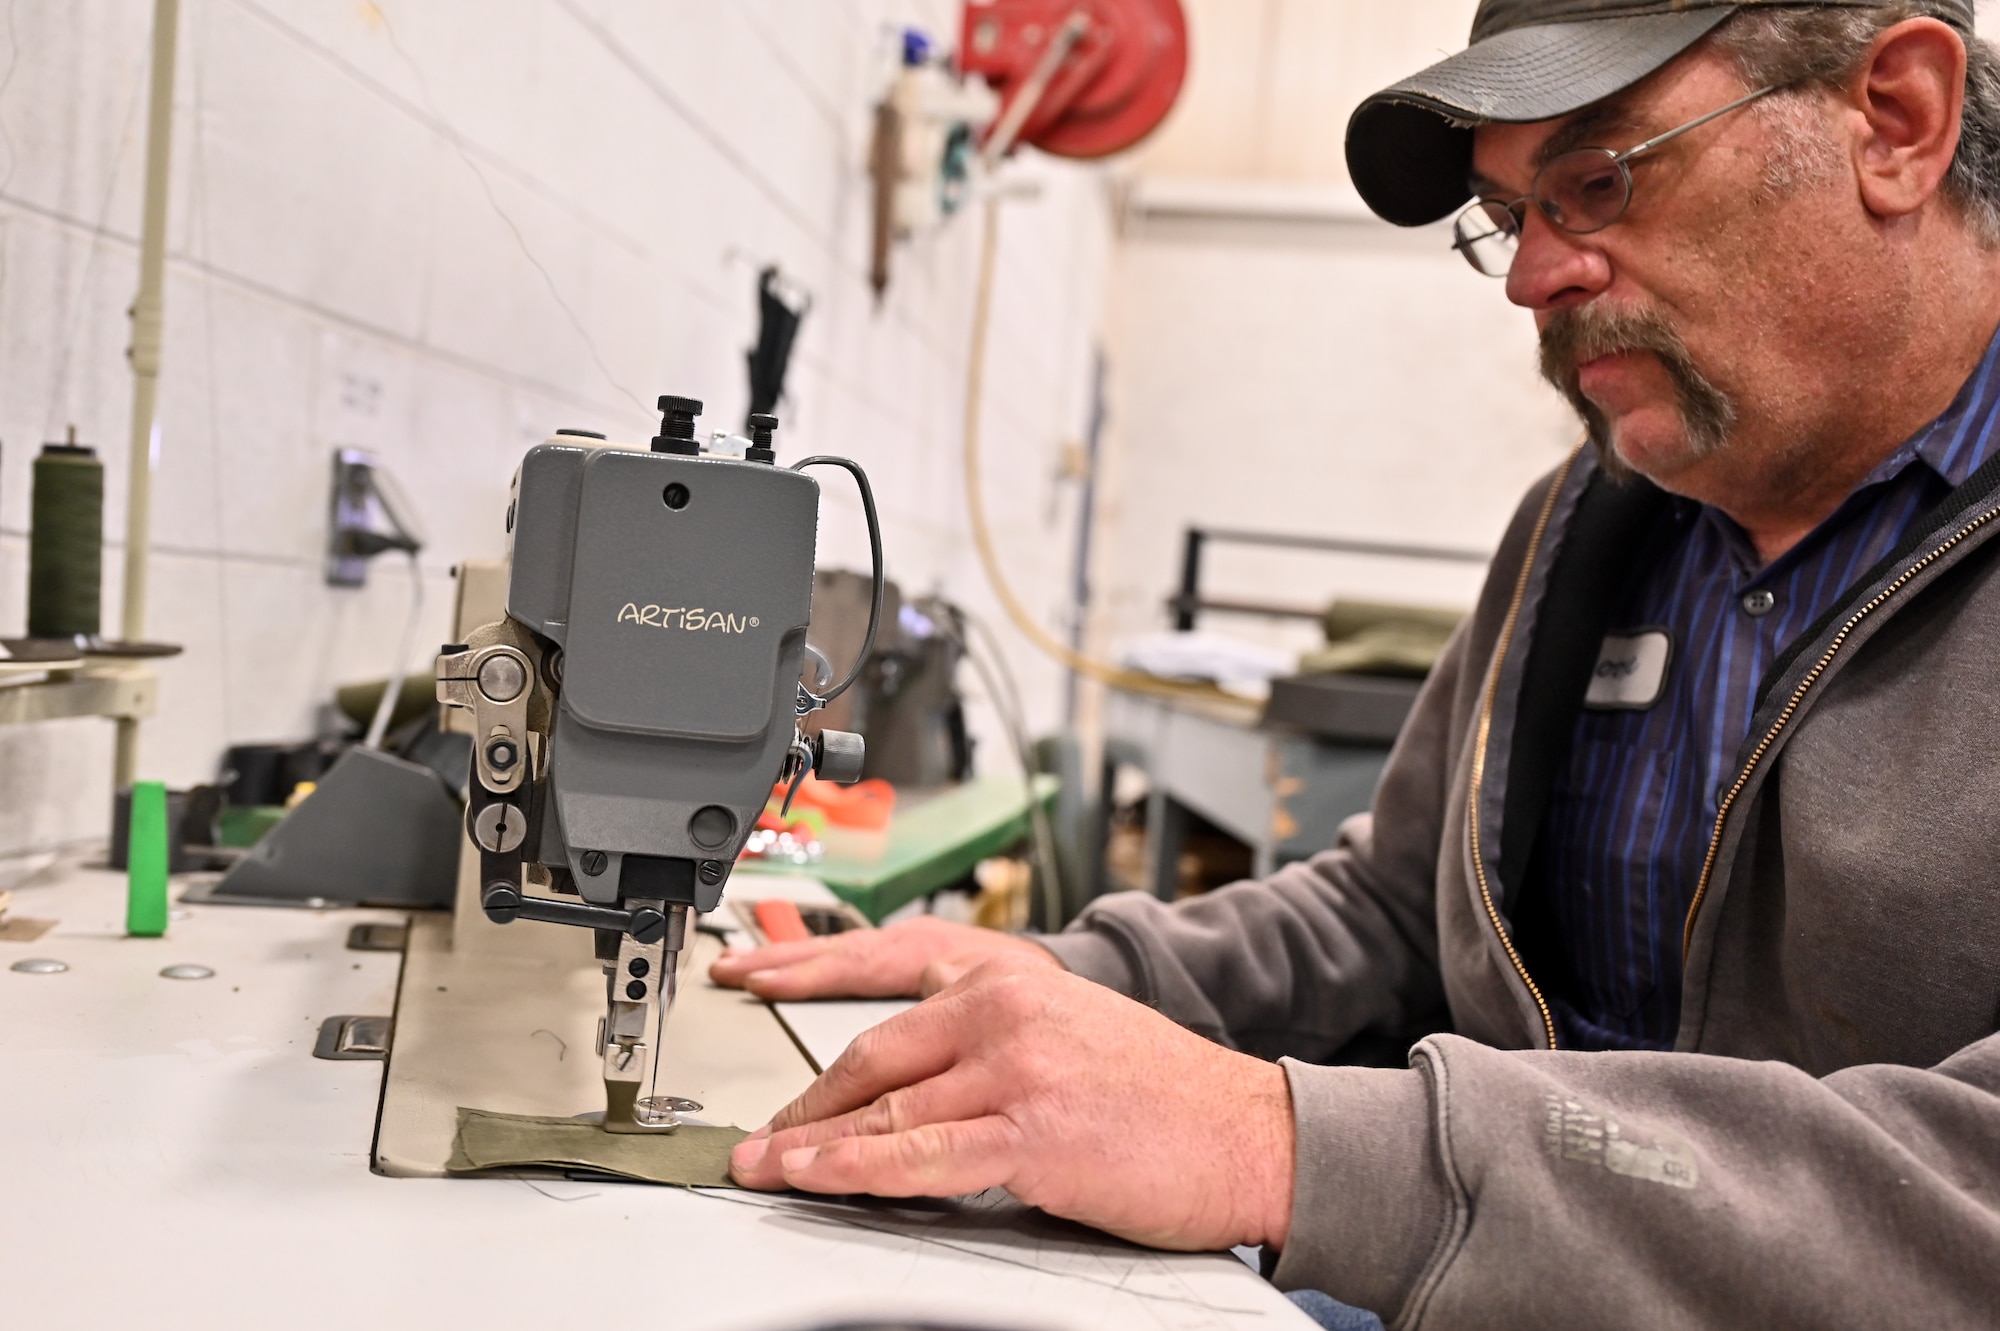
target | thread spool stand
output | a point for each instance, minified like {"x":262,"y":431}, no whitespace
{"x":65,"y":668}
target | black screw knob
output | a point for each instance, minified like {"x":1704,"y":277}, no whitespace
{"x":761,"y":449}
{"x":501,"y":902}
{"x":636,"y":990}
{"x":593,"y":862}
{"x":638,"y":968}
{"x":677,"y":426}
{"x":711,"y":872}
{"x":502,"y":754}
{"x":648,"y":926}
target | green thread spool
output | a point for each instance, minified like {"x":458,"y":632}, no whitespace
{"x":66,"y":543}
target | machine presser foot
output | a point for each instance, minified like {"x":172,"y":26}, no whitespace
{"x":640,"y":984}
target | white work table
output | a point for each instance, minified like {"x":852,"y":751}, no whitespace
{"x":172,"y":1155}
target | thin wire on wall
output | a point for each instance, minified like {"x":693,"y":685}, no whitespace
{"x":1103,"y":672}
{"x":486,"y":187}
{"x":991,"y":664}
{"x":73,"y":317}
{"x":392,"y":692}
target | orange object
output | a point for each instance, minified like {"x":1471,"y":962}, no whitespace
{"x":864,"y":806}
{"x":781,"y":922}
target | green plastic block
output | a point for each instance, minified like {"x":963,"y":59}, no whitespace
{"x":146,"y":862}
{"x":243,"y":827}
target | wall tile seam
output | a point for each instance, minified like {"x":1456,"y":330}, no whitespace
{"x":718,"y":140}
{"x":428,"y":117}
{"x":187,"y":264}
{"x":837,"y":125}
{"x":928,"y":340}
{"x":952,"y":357}
{"x":854,"y":273}
{"x":885,"y":408}
{"x":247,"y":558}
{"x":433,"y":121}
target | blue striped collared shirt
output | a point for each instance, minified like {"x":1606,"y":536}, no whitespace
{"x":1631,"y":815}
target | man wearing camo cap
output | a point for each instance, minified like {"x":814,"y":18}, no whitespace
{"x":1684,"y":877}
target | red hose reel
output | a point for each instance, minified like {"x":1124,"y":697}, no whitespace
{"x":1123,"y":67}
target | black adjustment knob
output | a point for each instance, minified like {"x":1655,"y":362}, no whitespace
{"x":677,"y":426}
{"x":648,"y":925}
{"x":502,"y":903}
{"x":838,"y":756}
{"x":761,"y":448}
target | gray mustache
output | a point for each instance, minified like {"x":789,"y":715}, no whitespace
{"x":1577,"y":336}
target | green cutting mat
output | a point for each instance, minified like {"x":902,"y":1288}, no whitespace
{"x":933,"y":841}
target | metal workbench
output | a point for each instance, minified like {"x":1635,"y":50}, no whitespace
{"x":172,"y":1155}
{"x":1281,"y":792}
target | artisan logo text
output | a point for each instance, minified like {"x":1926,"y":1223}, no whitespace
{"x":696,"y":619}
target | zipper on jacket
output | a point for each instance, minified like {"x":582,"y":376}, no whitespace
{"x":1784,"y":718}
{"x":1486,"y":733}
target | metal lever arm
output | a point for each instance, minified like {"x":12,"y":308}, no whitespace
{"x":504,"y":905}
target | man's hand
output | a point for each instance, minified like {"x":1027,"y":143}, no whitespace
{"x":911,"y":960}
{"x":1073,"y":1098}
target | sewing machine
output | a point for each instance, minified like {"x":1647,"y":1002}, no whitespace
{"x":635,"y":706}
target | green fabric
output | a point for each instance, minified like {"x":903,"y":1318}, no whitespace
{"x":243,"y":827}
{"x":1367,"y":638}
{"x":417,"y":697}
{"x":689,"y":1156}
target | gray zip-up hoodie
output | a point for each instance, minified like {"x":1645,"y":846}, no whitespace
{"x":1821,"y":1149}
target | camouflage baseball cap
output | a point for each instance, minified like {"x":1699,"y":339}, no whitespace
{"x":1409,"y":148}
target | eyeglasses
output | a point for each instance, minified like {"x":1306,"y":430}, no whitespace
{"x":1581,"y":192}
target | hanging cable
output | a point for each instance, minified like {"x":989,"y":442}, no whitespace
{"x":393,"y":693}
{"x":874,"y":553}
{"x":1000,"y":683}
{"x":1103,"y":672}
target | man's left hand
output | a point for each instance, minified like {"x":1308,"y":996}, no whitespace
{"x":1073,"y":1098}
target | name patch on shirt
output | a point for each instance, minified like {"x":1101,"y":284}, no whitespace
{"x":1631,"y":671}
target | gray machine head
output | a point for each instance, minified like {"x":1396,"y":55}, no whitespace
{"x":678,"y":590}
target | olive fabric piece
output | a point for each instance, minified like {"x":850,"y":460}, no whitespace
{"x":1370,"y":638}
{"x":691,"y":1156}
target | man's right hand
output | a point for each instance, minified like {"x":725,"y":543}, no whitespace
{"x":914,"y":959}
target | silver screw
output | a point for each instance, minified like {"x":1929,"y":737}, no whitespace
{"x":187,"y":973}
{"x":40,"y":966}
{"x":499,"y":828}
{"x":501,"y":678}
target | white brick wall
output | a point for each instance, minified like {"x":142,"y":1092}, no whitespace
{"x":337,"y":275}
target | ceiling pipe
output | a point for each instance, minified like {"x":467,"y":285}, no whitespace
{"x":148,"y":317}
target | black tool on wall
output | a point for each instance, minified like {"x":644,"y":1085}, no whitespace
{"x":781,"y":308}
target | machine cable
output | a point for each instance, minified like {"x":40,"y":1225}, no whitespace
{"x":874,"y":552}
